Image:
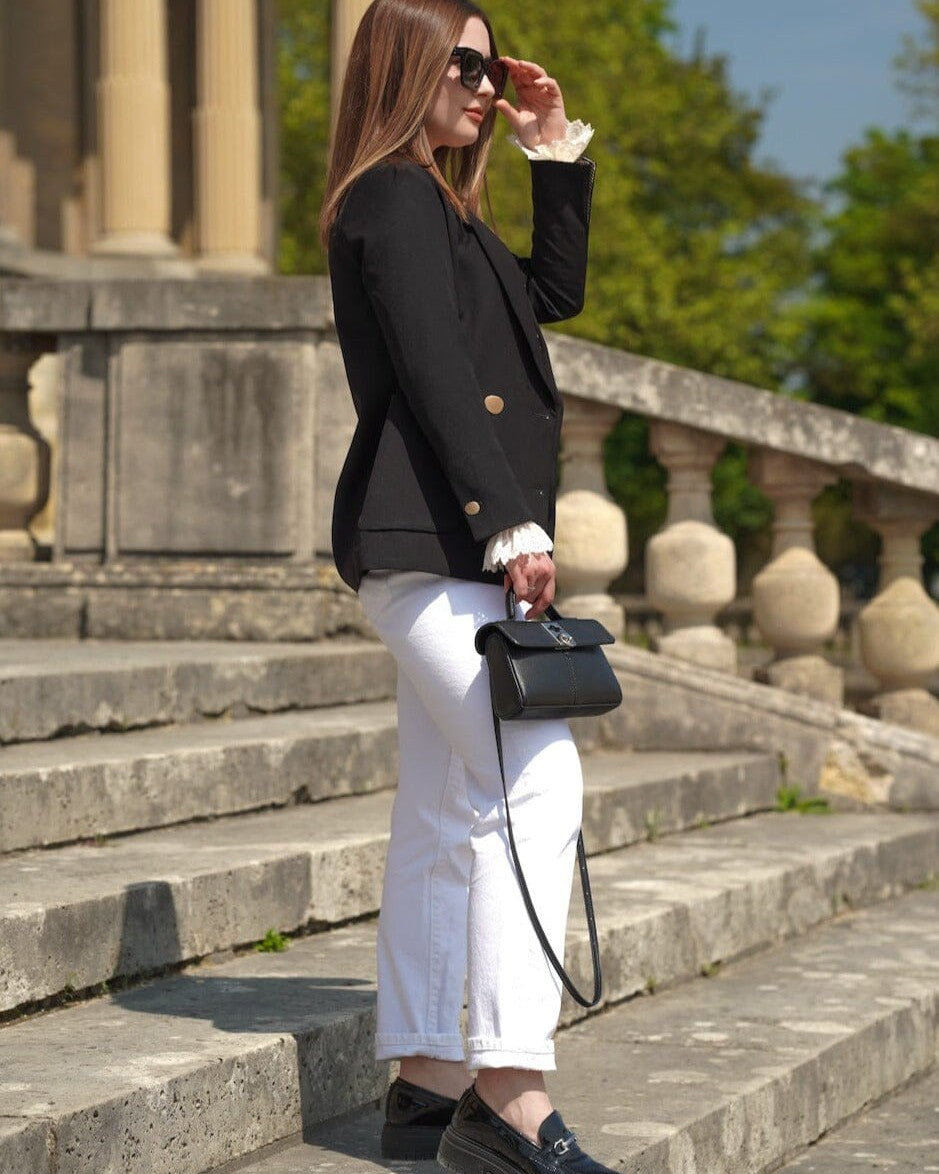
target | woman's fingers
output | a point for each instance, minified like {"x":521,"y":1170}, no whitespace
{"x":532,"y":578}
{"x":543,"y":602}
{"x":529,"y":67}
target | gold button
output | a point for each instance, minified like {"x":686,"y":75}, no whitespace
{"x":471,"y":507}
{"x":494,"y":404}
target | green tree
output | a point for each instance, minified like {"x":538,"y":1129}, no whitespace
{"x":869,"y":331}
{"x":303,"y":64}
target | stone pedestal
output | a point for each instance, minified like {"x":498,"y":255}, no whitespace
{"x":796,"y":598}
{"x":24,"y":459}
{"x":227,"y":129}
{"x":691,"y":568}
{"x":899,"y":628}
{"x":133,"y":129}
{"x":590,"y":542}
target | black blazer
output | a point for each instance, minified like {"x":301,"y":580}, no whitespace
{"x":459,"y":416}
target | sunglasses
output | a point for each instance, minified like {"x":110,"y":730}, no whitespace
{"x":474,"y":67}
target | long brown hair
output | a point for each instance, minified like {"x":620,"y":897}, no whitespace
{"x":400,"y":52}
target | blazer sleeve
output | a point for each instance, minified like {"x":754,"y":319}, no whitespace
{"x":394,"y":218}
{"x":556,"y":271}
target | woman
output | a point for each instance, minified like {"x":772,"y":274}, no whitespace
{"x":446,"y":498}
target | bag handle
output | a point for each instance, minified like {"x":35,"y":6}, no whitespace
{"x":529,"y":905}
{"x":511,"y":601}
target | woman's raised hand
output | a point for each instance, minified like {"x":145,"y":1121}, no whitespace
{"x":540,"y":115}
{"x":532,"y":578}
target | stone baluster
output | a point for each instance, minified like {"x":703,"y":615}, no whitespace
{"x":590,"y":542}
{"x":691,"y":567}
{"x":227,"y":136}
{"x":17,"y":194}
{"x":796,"y":598}
{"x":133,"y":129}
{"x":346,"y":17}
{"x":899,"y":628}
{"x":24,"y":457}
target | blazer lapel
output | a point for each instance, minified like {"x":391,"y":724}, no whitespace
{"x":513,"y":282}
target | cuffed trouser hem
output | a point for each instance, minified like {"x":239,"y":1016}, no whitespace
{"x":437,"y":1047}
{"x":490,"y":1053}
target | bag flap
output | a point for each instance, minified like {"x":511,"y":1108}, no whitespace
{"x":546,"y":633}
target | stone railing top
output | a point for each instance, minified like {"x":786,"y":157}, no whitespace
{"x":855,"y":447}
{"x":211,"y":303}
{"x":852,"y":446}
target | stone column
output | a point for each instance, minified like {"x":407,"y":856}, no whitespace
{"x":691,"y":567}
{"x":899,"y":628}
{"x":346,"y":17}
{"x":133,"y":129}
{"x":227,"y":135}
{"x":796,"y":598}
{"x":590,"y":547}
{"x":24,"y":457}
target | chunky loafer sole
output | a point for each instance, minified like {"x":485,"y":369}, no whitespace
{"x":410,"y":1143}
{"x":464,"y":1156}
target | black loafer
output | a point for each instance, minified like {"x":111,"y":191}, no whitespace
{"x":415,"y":1119}
{"x":478,"y":1141}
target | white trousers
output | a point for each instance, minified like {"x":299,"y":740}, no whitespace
{"x":451,"y":910}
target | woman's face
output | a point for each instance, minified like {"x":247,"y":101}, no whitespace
{"x":447,"y":123}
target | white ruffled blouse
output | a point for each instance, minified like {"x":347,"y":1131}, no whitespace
{"x":530,"y":538}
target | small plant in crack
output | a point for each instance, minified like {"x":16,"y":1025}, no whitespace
{"x":790,"y":798}
{"x":272,"y":942}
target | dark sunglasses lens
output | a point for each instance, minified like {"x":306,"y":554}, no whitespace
{"x":471,"y":69}
{"x":498,"y":75}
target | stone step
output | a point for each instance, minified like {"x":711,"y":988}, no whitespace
{"x":54,"y":687}
{"x":900,"y":1133}
{"x":735,"y":1073}
{"x":91,"y":785}
{"x":76,"y":916}
{"x":69,"y":789}
{"x":185,"y":1073}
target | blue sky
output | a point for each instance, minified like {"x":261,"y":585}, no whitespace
{"x":829,"y":60}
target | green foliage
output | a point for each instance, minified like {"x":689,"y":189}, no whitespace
{"x":918,"y":64}
{"x":790,"y":798}
{"x":272,"y":942}
{"x":303,"y":80}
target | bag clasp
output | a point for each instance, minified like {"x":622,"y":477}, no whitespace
{"x":560,"y":634}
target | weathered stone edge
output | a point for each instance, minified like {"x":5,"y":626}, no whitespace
{"x":47,"y":305}
{"x":41,"y":705}
{"x":671,"y":704}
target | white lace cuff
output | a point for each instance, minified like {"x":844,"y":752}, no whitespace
{"x":529,"y":538}
{"x":565,"y":150}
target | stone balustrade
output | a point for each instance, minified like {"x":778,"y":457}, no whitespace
{"x":206,"y":422}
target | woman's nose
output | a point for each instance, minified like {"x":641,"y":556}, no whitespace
{"x":486,"y":88}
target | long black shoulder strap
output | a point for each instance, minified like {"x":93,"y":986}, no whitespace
{"x":529,"y":905}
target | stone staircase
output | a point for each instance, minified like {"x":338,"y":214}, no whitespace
{"x":163,"y":806}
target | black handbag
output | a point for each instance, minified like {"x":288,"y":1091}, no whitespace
{"x":549,"y":668}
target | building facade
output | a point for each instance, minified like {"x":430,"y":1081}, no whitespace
{"x":137,"y":136}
